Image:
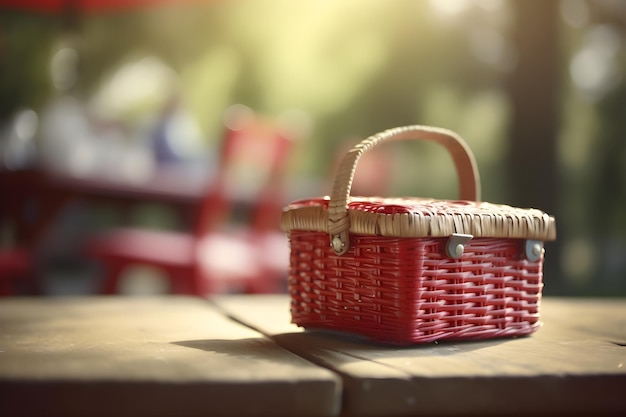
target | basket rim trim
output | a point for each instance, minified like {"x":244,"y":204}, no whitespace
{"x":417,"y":218}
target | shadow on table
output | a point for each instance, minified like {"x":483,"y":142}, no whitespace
{"x":356,"y":345}
{"x":255,"y":347}
{"x":307,"y":343}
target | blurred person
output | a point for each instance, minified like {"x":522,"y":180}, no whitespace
{"x":176,"y":137}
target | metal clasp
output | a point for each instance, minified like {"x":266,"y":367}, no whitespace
{"x":456,"y":245}
{"x":337,"y":244}
{"x":534,"y":250}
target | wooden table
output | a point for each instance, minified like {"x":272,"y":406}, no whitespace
{"x":171,"y":356}
{"x":239,"y":355}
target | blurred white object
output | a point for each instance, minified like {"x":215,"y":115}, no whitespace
{"x":18,"y":150}
{"x":65,"y":132}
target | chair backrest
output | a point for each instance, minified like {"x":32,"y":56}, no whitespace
{"x":249,"y":177}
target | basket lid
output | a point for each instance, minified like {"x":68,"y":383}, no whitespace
{"x":420,"y":217}
{"x":341,"y":214}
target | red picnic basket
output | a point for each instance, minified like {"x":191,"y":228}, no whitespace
{"x":411,"y":270}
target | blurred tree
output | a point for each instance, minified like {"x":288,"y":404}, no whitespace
{"x":25,"y":50}
{"x":606,"y":206}
{"x":534,"y":88}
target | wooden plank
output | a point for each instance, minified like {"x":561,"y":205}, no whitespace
{"x":174,"y":356}
{"x":575,"y":363}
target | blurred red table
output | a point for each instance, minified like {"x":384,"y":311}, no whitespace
{"x":33,"y":198}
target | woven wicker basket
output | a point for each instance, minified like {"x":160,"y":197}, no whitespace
{"x":410,"y":270}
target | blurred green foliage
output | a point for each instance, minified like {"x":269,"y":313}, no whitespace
{"x":358,"y":67}
{"x":25,"y":47}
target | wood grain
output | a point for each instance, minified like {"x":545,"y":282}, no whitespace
{"x":574,"y":364}
{"x":173,"y":356}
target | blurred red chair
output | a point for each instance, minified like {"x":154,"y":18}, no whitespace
{"x":15,"y":268}
{"x":20,"y":214}
{"x":213,"y":257}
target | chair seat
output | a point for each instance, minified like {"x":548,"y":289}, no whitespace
{"x":141,"y":245}
{"x":227,"y":255}
{"x":228,"y":259}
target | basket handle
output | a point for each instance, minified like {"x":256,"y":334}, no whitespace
{"x":467,"y":171}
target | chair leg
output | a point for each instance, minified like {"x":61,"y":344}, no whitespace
{"x":6,"y":287}
{"x":186,"y":281}
{"x":267,"y":283}
{"x":112,"y":277}
{"x":19,"y":284}
{"x":178,"y":284}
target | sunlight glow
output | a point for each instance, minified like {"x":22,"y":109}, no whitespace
{"x":575,"y":13}
{"x":450,"y":8}
{"x":141,"y":84}
{"x":594,"y":69}
{"x":490,"y":47}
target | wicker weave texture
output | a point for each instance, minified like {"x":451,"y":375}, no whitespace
{"x":406,"y":290}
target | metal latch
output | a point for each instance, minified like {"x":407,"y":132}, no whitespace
{"x":456,"y":245}
{"x":534,"y":250}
